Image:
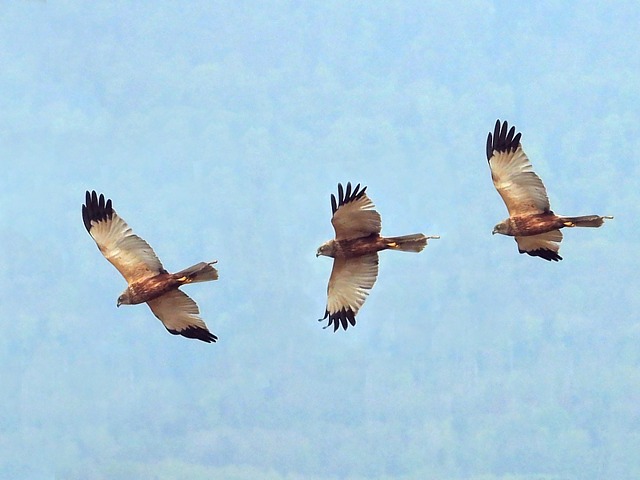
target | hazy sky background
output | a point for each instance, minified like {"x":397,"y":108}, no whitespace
{"x":220,"y":129}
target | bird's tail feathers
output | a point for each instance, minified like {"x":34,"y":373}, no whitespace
{"x":200,"y":272}
{"x":409,"y":243}
{"x":585,"y":221}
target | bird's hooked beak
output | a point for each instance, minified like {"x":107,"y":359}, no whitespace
{"x":494,"y":232}
{"x":317,"y":253}
{"x":119,"y":303}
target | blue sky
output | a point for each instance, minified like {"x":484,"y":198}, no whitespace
{"x":220,"y":129}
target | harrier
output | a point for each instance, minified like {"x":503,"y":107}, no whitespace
{"x":535,"y":227}
{"x":148,"y":281}
{"x":355,"y":253}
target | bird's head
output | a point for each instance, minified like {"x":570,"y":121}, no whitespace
{"x":124,"y":299}
{"x":502,"y":228}
{"x":327,"y":249}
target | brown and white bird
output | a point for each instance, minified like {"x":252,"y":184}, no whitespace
{"x":355,"y":253}
{"x":148,"y":280}
{"x":535,"y":227}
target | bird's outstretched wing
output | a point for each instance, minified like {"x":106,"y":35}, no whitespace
{"x":130,"y":254}
{"x":353,"y":213}
{"x":521,"y":189}
{"x":349,"y":284}
{"x":544,"y":245}
{"x":179,"y":314}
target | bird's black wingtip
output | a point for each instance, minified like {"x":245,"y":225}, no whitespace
{"x":548,"y":255}
{"x":503,"y":139}
{"x":342,"y":318}
{"x":95,"y":209}
{"x":346,"y":195}
{"x":196,"y":333}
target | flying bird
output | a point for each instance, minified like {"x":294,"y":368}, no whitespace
{"x":355,"y":253}
{"x":535,"y":227}
{"x":147,"y":279}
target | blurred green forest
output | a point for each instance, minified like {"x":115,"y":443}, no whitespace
{"x":220,"y":130}
{"x":541,"y":398}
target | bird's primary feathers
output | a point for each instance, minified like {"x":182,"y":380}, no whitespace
{"x":147,"y":279}
{"x":355,"y":252}
{"x":531,"y":222}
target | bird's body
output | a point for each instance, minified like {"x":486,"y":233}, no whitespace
{"x":150,"y":288}
{"x":538,"y":223}
{"x":357,"y":247}
{"x":147,"y":280}
{"x":531,"y":222}
{"x":534,"y":224}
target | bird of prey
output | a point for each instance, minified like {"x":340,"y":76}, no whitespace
{"x":355,"y":253}
{"x":147,"y":279}
{"x":535,"y":227}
